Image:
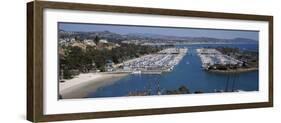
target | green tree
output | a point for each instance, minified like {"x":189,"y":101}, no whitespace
{"x":183,"y":90}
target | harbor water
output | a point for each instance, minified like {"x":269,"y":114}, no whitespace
{"x":188,"y":73}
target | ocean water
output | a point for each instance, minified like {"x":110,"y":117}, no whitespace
{"x":188,"y":73}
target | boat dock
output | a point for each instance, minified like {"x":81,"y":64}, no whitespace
{"x":163,"y":61}
{"x":211,"y":57}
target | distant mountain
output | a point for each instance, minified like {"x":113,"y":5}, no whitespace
{"x":150,"y":38}
{"x":244,"y":40}
{"x":113,"y":37}
{"x":187,"y":39}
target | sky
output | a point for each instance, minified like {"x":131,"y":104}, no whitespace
{"x":171,"y":31}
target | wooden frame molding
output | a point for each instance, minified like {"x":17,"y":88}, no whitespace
{"x":35,"y":112}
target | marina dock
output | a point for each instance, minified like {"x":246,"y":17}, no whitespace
{"x":210,"y":57}
{"x":163,"y":61}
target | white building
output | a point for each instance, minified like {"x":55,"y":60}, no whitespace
{"x":103,"y":41}
{"x":89,"y":42}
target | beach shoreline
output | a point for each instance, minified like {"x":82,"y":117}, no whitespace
{"x":83,"y":84}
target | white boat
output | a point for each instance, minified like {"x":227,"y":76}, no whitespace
{"x":136,"y":72}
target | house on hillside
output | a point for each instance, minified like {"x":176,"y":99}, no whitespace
{"x":89,"y":42}
{"x":109,"y":66}
{"x":104,"y":41}
{"x":78,"y":44}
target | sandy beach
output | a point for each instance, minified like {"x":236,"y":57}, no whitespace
{"x":80,"y":86}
